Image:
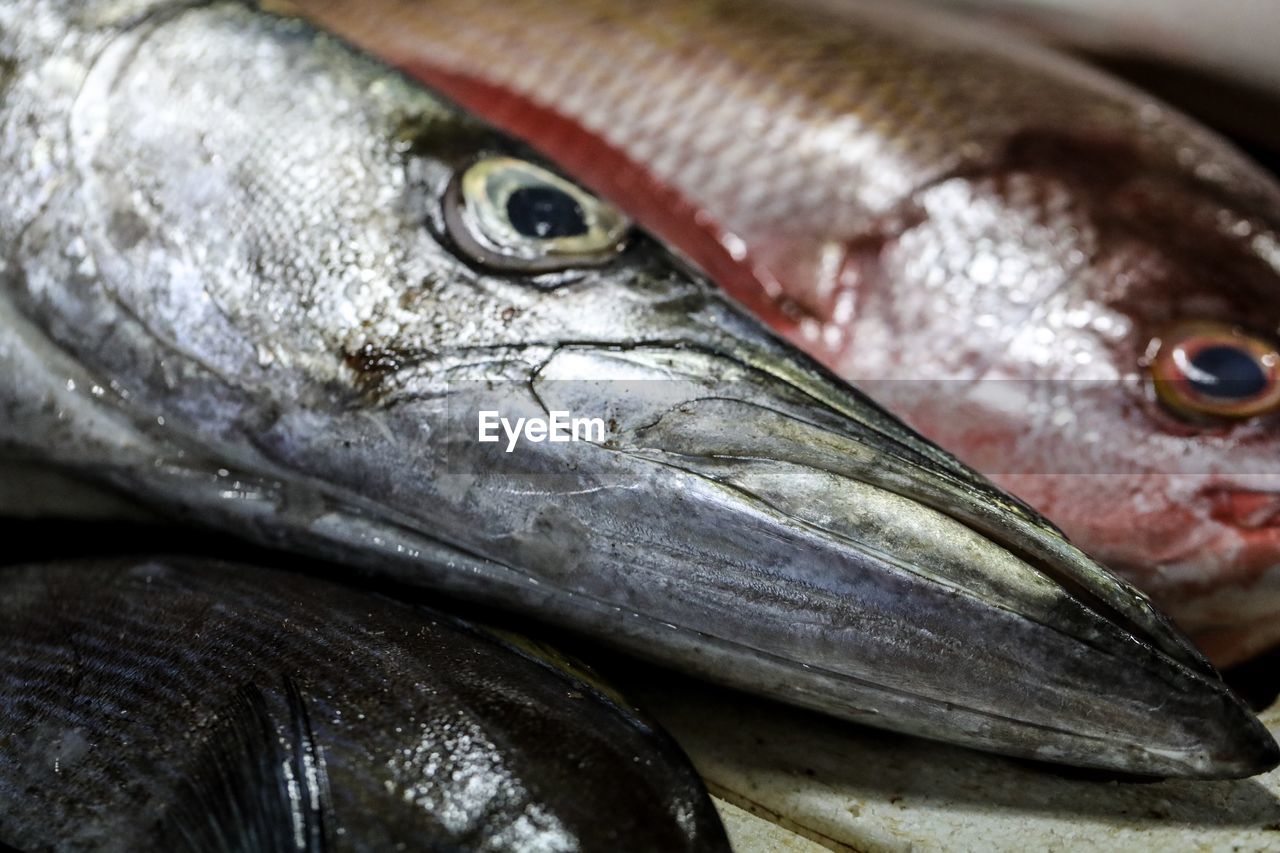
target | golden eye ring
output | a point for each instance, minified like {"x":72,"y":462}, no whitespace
{"x":1213,"y":370}
{"x":510,"y":214}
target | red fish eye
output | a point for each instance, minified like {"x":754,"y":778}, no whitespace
{"x":1209,"y":369}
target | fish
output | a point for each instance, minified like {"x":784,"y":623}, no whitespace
{"x":285,"y":302}
{"x":182,"y":703}
{"x":1046,"y":271}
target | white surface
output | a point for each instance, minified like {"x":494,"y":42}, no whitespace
{"x":801,"y":777}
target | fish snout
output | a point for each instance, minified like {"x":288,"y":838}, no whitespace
{"x":882,"y":581}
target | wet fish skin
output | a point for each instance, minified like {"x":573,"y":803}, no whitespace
{"x":188,"y":704}
{"x":235,"y":296}
{"x":965,"y":224}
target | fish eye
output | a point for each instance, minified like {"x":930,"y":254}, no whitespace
{"x":1217,"y":371}
{"x":510,"y":214}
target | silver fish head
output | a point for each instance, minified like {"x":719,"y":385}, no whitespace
{"x":265,"y":280}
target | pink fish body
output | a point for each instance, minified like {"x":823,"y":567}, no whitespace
{"x":1005,"y":247}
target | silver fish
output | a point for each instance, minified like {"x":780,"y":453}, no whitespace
{"x":182,"y":704}
{"x":260,"y":280}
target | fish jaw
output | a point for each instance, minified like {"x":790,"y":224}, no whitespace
{"x":858,"y":582}
{"x":776,"y":535}
{"x":758,"y":522}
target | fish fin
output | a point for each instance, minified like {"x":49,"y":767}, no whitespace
{"x":260,"y":782}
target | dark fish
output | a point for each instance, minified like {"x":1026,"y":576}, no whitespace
{"x":256,"y":278}
{"x":177,"y":704}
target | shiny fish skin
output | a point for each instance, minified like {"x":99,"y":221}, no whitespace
{"x":183,"y":704}
{"x":231,"y":295}
{"x":922,"y":203}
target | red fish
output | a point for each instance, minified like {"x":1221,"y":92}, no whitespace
{"x":1053,"y":275}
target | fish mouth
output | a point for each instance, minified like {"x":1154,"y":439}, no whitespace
{"x":1250,"y":511}
{"x":886,"y":582}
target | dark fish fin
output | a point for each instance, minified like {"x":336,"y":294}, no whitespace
{"x":258,"y":783}
{"x":6,"y":848}
{"x":313,"y":802}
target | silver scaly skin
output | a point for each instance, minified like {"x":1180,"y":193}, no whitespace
{"x":232,"y":285}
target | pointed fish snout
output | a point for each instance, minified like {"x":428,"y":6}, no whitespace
{"x":884,"y":588}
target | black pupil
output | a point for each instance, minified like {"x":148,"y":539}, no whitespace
{"x":545,"y":213}
{"x":1227,"y":372}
